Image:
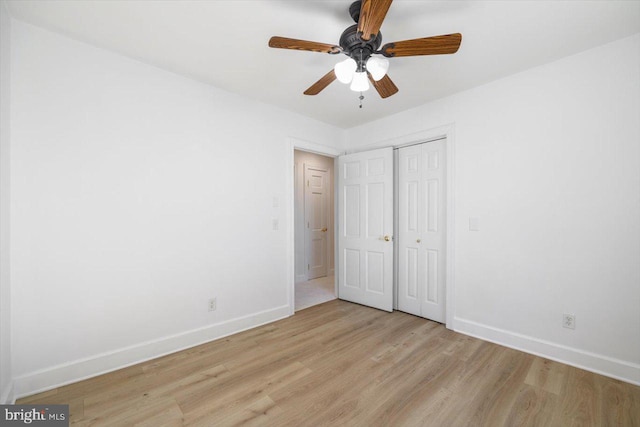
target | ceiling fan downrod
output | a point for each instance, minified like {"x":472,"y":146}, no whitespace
{"x":352,"y":43}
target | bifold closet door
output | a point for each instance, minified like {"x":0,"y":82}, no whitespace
{"x":365,"y":247}
{"x":422,"y":230}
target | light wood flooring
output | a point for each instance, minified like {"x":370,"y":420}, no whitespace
{"x":343,"y":364}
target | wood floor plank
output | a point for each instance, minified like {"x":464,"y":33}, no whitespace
{"x":531,"y":406}
{"x":259,"y":413}
{"x":547,"y":374}
{"x":231,"y":397}
{"x":155,"y":387}
{"x":344,"y":364}
{"x":619,"y":403}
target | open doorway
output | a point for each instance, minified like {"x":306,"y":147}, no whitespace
{"x":314,"y":226}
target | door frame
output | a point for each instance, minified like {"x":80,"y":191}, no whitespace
{"x":311,"y":147}
{"x":425,"y":135}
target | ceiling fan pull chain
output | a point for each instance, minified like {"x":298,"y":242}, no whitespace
{"x":361,"y":97}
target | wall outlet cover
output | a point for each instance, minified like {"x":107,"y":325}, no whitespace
{"x":569,"y":321}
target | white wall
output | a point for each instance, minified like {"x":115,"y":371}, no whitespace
{"x":300,"y":159}
{"x":136,"y":196}
{"x":6,"y":380}
{"x":549,"y":161}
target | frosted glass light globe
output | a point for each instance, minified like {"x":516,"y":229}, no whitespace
{"x":360,"y":82}
{"x":345,"y":69}
{"x":378,"y":67}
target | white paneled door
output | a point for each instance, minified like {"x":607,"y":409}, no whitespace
{"x":316,"y":216}
{"x":422,"y":230}
{"x":365,"y":247}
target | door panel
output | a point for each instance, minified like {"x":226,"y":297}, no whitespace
{"x":375,"y":205}
{"x":431,"y":276}
{"x":351,"y":206}
{"x":365,"y":185}
{"x":421,"y":235}
{"x":375,"y":272}
{"x":411,"y":273}
{"x":352,"y":268}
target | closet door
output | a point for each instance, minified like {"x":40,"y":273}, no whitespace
{"x":422,"y":230}
{"x":365,"y":247}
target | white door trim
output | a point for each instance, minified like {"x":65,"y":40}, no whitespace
{"x":311,"y":147}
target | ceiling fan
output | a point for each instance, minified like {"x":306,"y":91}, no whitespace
{"x":366,"y":60}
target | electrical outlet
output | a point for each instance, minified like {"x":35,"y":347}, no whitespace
{"x":213,"y":304}
{"x":569,"y":321}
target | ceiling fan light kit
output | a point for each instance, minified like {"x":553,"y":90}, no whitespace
{"x":367,"y":62}
{"x":345,"y":70}
{"x":360,"y":82}
{"x":377,"y":67}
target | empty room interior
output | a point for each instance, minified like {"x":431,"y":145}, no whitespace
{"x":314,"y":213}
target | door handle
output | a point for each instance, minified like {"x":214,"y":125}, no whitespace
{"x":387,"y":238}
{"x":324,"y":229}
{"x":418,"y":240}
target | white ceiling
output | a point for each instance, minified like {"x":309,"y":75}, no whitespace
{"x":224,"y":43}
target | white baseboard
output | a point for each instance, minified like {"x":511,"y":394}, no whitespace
{"x":47,"y":379}
{"x":600,"y":364}
{"x":7,"y":395}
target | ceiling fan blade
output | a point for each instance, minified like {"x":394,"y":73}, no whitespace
{"x":372,"y":13}
{"x":286,"y":43}
{"x":325,"y":81}
{"x":384,"y":86}
{"x":437,"y":45}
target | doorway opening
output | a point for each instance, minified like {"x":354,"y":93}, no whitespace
{"x":314,"y":229}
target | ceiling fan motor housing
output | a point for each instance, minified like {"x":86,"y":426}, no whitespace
{"x":356,"y":48}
